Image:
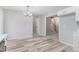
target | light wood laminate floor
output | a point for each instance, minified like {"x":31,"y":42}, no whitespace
{"x":37,"y":44}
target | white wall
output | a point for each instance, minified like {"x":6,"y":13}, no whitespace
{"x":17,"y":25}
{"x":43,"y":26}
{"x":1,"y":21}
{"x":37,"y":19}
{"x":66,"y":28}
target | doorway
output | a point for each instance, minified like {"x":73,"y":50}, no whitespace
{"x":52,"y":25}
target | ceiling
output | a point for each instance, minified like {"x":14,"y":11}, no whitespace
{"x":37,"y":10}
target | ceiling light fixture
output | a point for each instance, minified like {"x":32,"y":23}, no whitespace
{"x":27,"y":11}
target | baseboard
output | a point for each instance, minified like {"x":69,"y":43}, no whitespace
{"x":19,"y":38}
{"x":66,"y":43}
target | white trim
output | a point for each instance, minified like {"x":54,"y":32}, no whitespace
{"x":19,"y":38}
